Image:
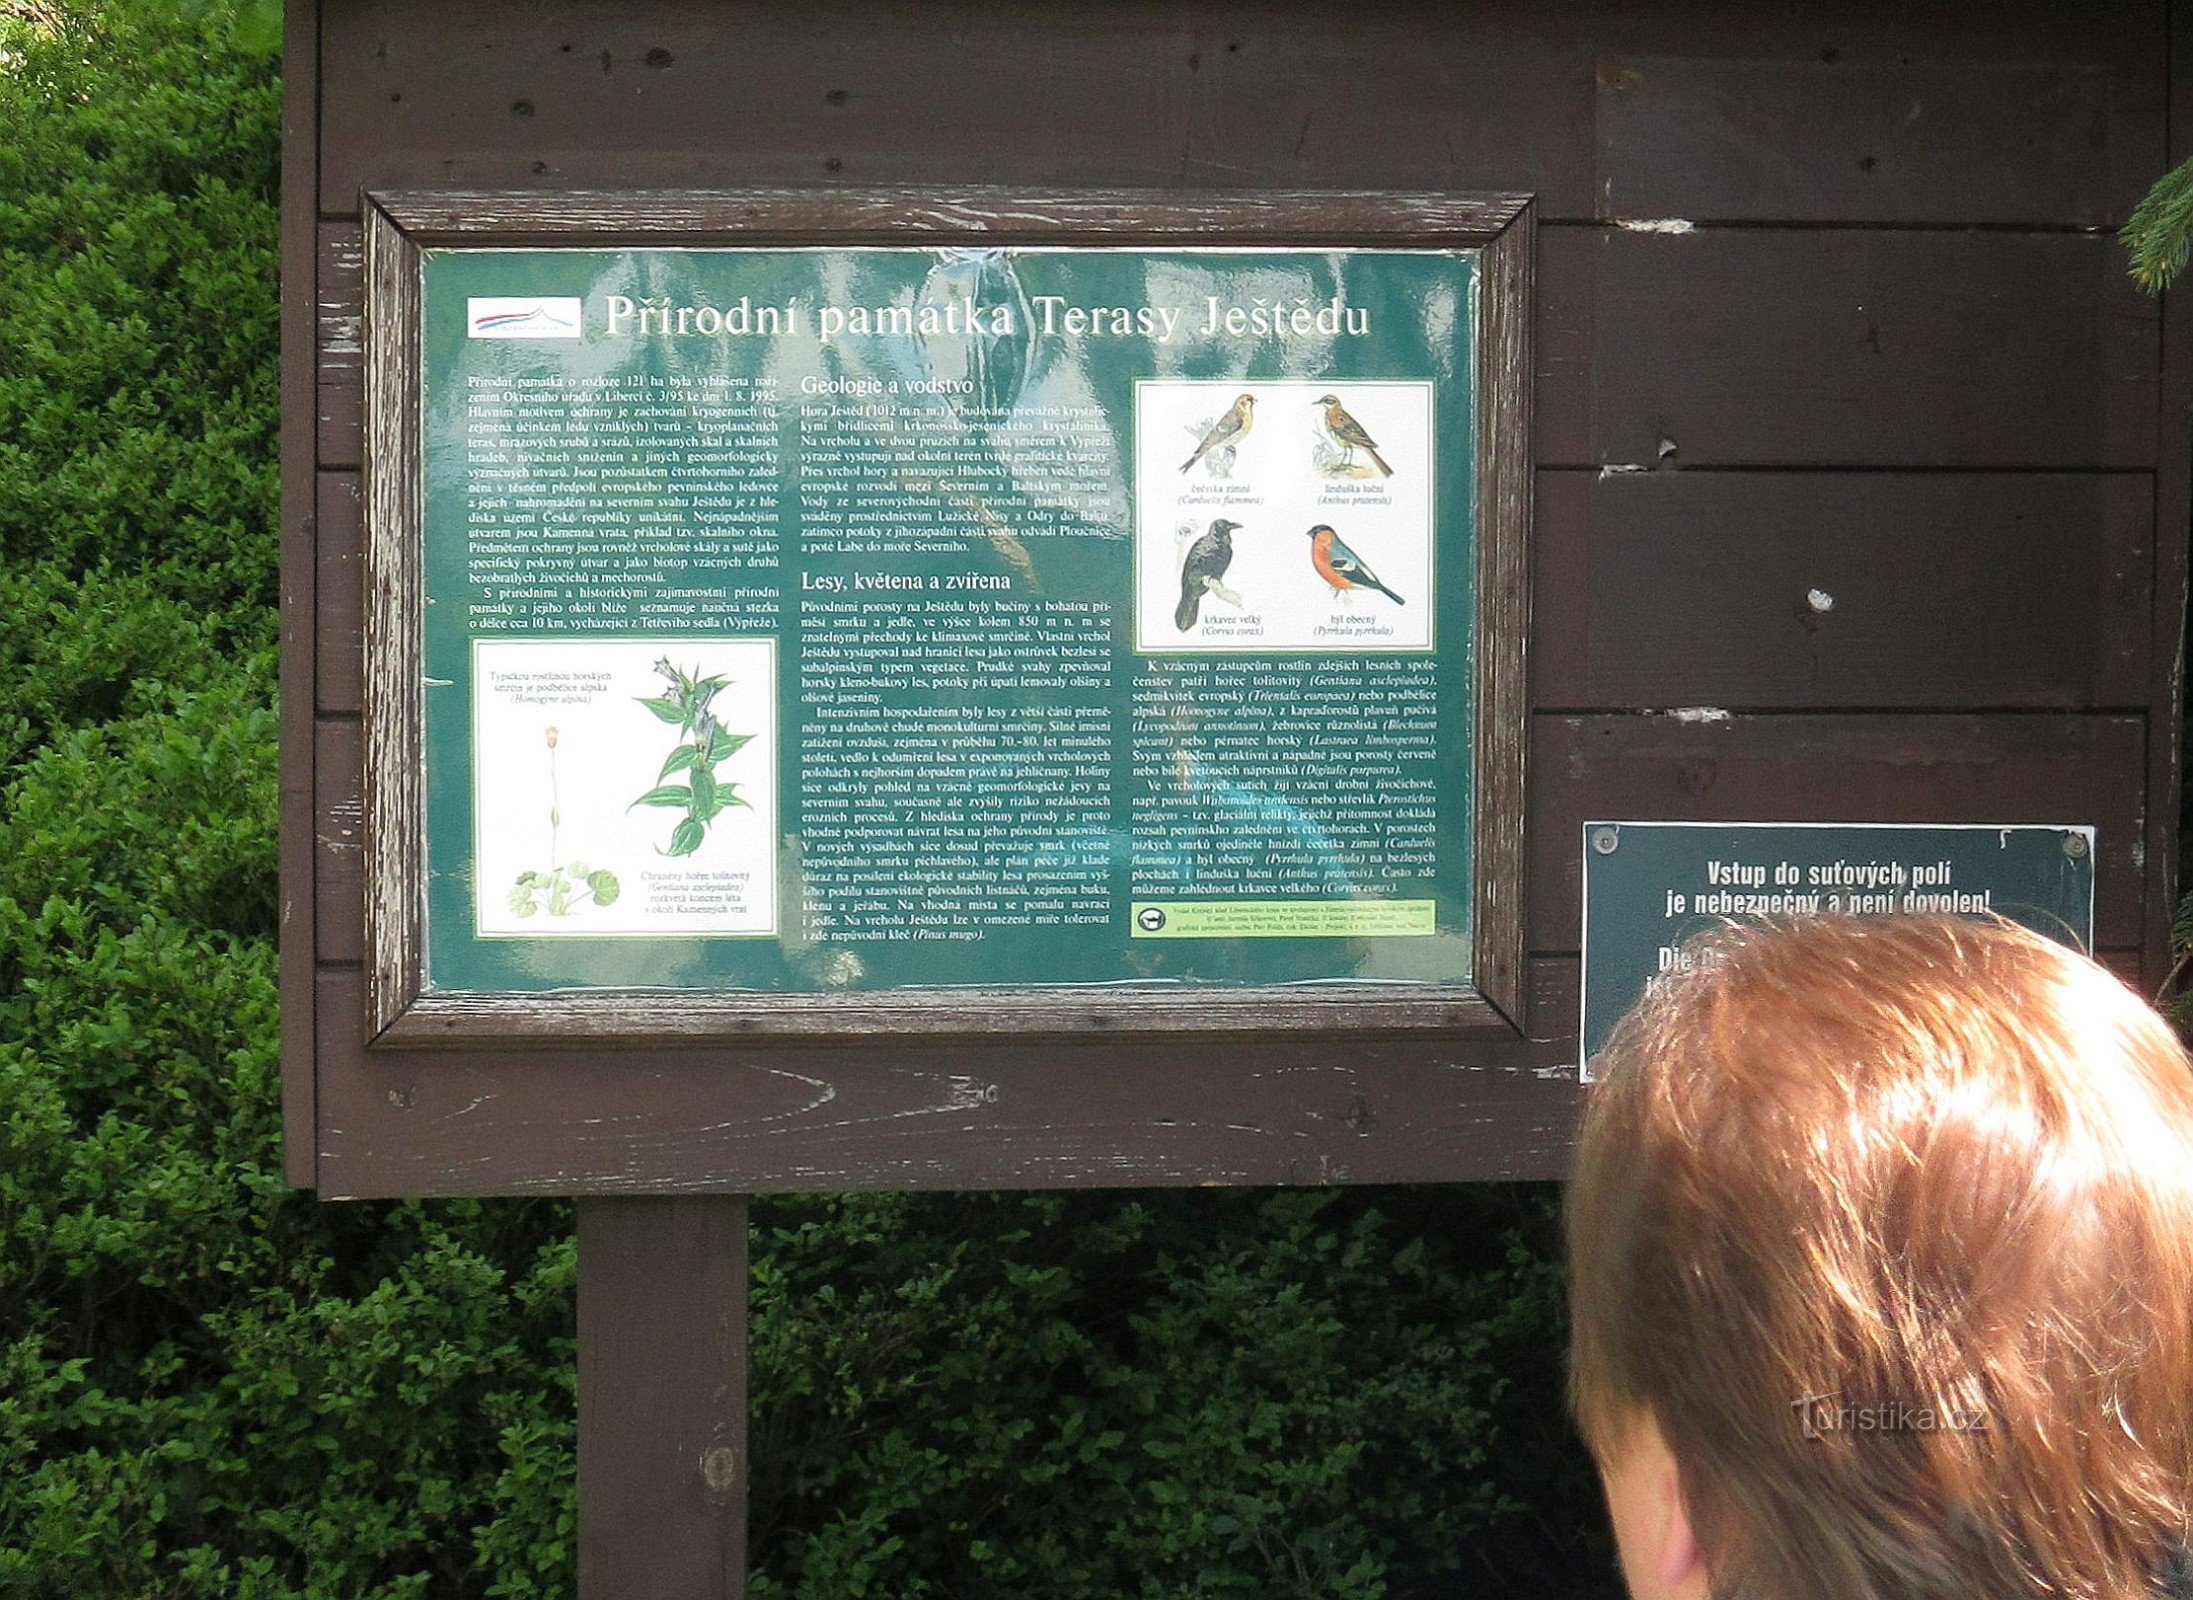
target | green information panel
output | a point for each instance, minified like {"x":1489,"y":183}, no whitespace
{"x":1648,"y":886}
{"x":864,"y":618}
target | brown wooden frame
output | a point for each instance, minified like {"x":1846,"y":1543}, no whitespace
{"x":402,"y":1011}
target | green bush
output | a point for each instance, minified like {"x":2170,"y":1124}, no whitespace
{"x":1211,"y":1395}
{"x":137,"y":205}
{"x":211,"y":1386}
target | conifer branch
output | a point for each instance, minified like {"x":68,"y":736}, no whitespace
{"x":2159,"y":233}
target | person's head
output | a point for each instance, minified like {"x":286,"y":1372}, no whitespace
{"x":1881,"y":1251}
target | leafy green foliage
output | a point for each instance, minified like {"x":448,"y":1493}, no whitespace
{"x":1302,"y":1393}
{"x":137,"y":202}
{"x":2159,"y":233}
{"x":209,"y":1386}
{"x":703,"y":746}
{"x":213,"y":1387}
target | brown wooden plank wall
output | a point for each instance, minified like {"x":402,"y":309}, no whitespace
{"x":1828,"y":302}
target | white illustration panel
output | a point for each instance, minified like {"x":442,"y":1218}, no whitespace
{"x":1287,"y":516}
{"x":624,"y":787}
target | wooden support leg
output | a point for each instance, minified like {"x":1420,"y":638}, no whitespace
{"x":662,"y":1398}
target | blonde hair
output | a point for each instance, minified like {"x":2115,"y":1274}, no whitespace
{"x":1888,"y":1225}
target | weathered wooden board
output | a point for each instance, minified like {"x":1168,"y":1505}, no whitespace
{"x":339,"y":657}
{"x":935,"y":1117}
{"x":339,"y":307}
{"x":1868,"y":347}
{"x":516,"y":95}
{"x":338,"y":838}
{"x":2167,"y":813}
{"x":1701,"y":112}
{"x":2039,"y":769}
{"x":297,"y":801}
{"x":927,"y":1115}
{"x":1832,"y":139}
{"x":1830,"y":590}
{"x":1568,"y":293}
{"x":663,"y":1466}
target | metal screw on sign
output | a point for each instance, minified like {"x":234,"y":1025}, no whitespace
{"x":1604,"y":840}
{"x":2075,"y":846}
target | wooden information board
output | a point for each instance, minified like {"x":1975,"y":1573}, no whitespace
{"x":1819,"y":529}
{"x":1058,"y":622}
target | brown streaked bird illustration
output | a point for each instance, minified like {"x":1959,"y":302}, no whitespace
{"x":1348,"y":433}
{"x":1228,"y":429}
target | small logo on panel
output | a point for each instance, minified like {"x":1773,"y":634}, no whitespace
{"x":1149,"y":919}
{"x":504,"y":316}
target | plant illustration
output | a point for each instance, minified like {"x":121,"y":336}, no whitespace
{"x":566,"y":885}
{"x":688,"y":780}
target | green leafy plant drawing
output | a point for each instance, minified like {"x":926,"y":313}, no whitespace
{"x":566,"y":886}
{"x":688,"y":780}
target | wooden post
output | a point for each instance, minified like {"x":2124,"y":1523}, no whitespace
{"x":662,"y":1398}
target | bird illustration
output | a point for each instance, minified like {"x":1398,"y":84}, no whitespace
{"x":1348,"y":433}
{"x":1208,"y":559}
{"x":1342,"y":567}
{"x":1228,"y":429}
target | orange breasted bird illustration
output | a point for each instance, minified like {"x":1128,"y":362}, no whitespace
{"x":1342,"y":567}
{"x":1208,"y":559}
{"x":1228,"y":429}
{"x":1348,"y":433}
